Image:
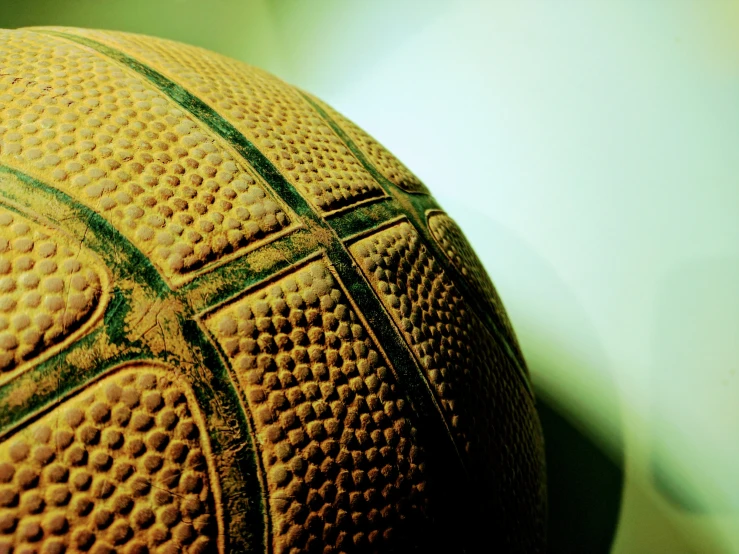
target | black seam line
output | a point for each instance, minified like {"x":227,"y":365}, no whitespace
{"x":259,"y":284}
{"x":11,"y":419}
{"x":261,"y":473}
{"x":347,"y":269}
{"x":70,"y":393}
{"x":395,"y":346}
{"x":234,"y":277}
{"x":103,"y":231}
{"x":365,"y":218}
{"x":390,"y":188}
{"x":206,"y":115}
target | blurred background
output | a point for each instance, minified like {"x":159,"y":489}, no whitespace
{"x":599,"y":184}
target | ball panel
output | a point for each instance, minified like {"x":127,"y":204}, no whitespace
{"x":270,"y":114}
{"x":453,"y":243}
{"x":484,"y":402}
{"x":99,"y":132}
{"x":121,"y":465}
{"x":50,"y":290}
{"x":344,"y":470}
{"x":388,"y":165}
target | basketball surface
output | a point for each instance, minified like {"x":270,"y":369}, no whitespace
{"x":231,"y":321}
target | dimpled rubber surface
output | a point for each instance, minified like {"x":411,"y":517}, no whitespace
{"x":48,"y":289}
{"x":101,"y":134}
{"x":274,"y":117}
{"x":230,"y":321}
{"x":455,"y":246}
{"x":380,"y":157}
{"x":468,"y":372}
{"x":118,"y":468}
{"x":342,"y":463}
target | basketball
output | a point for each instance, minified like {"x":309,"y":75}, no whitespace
{"x":232,"y":321}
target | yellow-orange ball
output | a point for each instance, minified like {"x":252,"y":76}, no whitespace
{"x":231,"y":321}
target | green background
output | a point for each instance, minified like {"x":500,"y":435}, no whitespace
{"x":589,"y":151}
